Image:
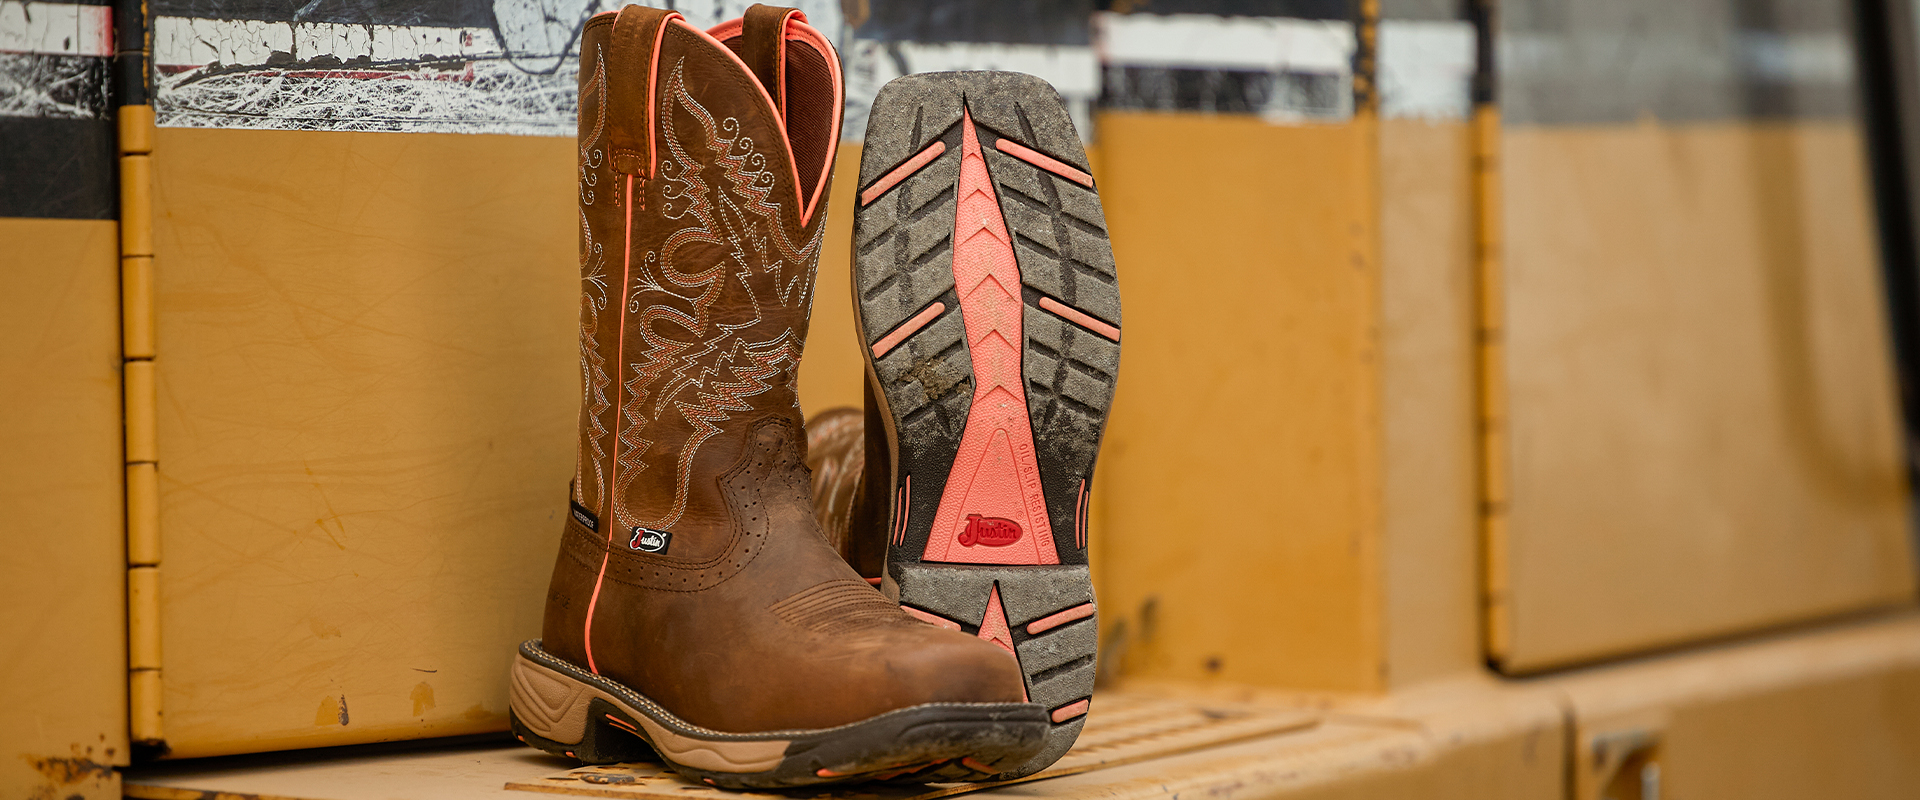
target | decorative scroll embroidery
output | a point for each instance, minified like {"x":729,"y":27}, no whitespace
{"x":732,"y":252}
{"x":593,"y":300}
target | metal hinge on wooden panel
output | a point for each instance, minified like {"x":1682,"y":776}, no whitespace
{"x":1619,"y":758}
{"x":142,"y":457}
{"x":1490,"y":337}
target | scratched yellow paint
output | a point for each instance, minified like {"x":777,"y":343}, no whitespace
{"x":1240,"y":481}
{"x":366,"y":411}
{"x":63,"y":669}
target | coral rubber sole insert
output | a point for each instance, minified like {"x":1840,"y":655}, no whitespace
{"x":992,"y":511}
{"x":990,"y":310}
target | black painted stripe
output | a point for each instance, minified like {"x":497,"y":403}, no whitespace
{"x":1061,"y":22}
{"x":1298,"y":9}
{"x":58,"y":168}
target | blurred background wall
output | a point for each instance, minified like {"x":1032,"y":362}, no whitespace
{"x":1467,"y":340}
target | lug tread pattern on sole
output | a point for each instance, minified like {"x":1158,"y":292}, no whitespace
{"x":1058,"y":663}
{"x":903,"y":263}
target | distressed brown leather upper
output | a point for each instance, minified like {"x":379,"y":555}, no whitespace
{"x":704,"y":582}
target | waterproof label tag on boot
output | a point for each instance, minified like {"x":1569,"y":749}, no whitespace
{"x":648,"y":540}
{"x":585,"y":517}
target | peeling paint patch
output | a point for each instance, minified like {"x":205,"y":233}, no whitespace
{"x":69,"y":778}
{"x":422,"y":698}
{"x":65,"y":29}
{"x":333,"y":711}
{"x":323,"y":630}
{"x":68,"y":770}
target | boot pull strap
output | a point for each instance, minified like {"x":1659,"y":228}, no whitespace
{"x":763,"y":45}
{"x":630,"y":83}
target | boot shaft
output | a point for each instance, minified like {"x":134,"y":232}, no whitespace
{"x":701,"y":197}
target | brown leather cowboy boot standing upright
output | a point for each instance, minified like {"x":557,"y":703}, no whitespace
{"x":695,"y":606}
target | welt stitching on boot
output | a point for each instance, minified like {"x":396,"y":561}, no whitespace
{"x":695,"y":607}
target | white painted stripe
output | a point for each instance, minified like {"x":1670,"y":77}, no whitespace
{"x":1426,"y":69}
{"x":56,"y":28}
{"x":1199,"y":41}
{"x":185,"y":42}
{"x":1073,"y":71}
{"x":536,"y":37}
{"x":1811,"y":58}
{"x":1808,"y":58}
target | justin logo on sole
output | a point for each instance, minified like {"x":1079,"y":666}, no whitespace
{"x":989,"y":531}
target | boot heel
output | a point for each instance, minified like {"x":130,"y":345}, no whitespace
{"x":602,"y":743}
{"x":564,"y":717}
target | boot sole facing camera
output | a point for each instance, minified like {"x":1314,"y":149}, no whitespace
{"x":990,"y":310}
{"x":566,"y":711}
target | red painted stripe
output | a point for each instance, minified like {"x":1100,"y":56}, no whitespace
{"x":900,"y":173}
{"x":1052,"y":621}
{"x":931,"y":619}
{"x":908,"y":328}
{"x":1080,"y":318}
{"x":1043,"y":161}
{"x":1071,"y":710}
{"x":875,"y":581}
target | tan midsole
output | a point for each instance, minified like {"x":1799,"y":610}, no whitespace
{"x":555,"y":706}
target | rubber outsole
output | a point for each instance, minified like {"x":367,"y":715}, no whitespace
{"x":565,"y":710}
{"x":925,"y":317}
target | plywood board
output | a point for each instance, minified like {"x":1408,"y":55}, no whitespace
{"x":1127,"y":728}
{"x":439,"y":770}
{"x":1471,"y":738}
{"x":63,"y":671}
{"x":1703,"y":431}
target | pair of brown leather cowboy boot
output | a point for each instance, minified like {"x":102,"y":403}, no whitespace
{"x":696,"y":610}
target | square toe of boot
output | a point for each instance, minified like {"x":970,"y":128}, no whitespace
{"x":944,"y":666}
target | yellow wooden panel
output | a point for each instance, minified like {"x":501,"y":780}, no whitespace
{"x":63,"y":671}
{"x":833,"y":369}
{"x":1703,"y":431}
{"x":367,"y":396}
{"x":1430,"y":533}
{"x":1239,"y":483}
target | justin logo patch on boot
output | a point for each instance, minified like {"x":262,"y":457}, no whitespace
{"x":989,"y":531}
{"x":648,"y":540}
